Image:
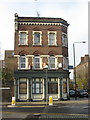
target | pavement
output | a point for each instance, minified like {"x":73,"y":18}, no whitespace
{"x":43,"y":103}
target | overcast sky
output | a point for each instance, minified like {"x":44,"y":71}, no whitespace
{"x":75,"y":12}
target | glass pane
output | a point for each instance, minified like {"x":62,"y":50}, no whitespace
{"x":52,"y":65}
{"x":52,"y":36}
{"x":37,"y":62}
{"x":52,"y":60}
{"x":37,"y":90}
{"x":37,"y":65}
{"x":36,"y":38}
{"x":37,"y":85}
{"x":22,"y":38}
{"x":22,"y":59}
{"x":22,"y":65}
{"x":36,"y":59}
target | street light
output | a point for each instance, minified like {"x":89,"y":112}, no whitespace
{"x":45,"y":66}
{"x":75,"y":66}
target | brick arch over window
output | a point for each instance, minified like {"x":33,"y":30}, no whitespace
{"x":52,"y":53}
{"x":23,"y":52}
{"x":36,"y":29}
{"x":51,"y":29}
{"x":36,"y":52}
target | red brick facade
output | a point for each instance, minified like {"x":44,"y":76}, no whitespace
{"x":54,"y":53}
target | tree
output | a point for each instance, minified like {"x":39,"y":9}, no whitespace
{"x":7,"y":78}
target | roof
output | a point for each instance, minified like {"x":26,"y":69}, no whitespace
{"x":41,"y":20}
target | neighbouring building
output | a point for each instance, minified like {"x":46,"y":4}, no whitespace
{"x":8,"y":75}
{"x":83,"y":73}
{"x":9,"y":61}
{"x":41,"y":41}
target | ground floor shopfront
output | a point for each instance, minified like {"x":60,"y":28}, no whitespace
{"x":37,"y":85}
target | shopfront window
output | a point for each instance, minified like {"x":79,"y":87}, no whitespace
{"x":53,"y":86}
{"x":37,"y":86}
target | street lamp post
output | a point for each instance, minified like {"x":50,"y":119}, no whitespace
{"x":75,"y":66}
{"x":45,"y":66}
{"x":46,"y":88}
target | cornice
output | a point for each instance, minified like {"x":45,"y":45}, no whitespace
{"x":37,"y":23}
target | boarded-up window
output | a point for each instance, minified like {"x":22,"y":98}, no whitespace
{"x":23,"y":88}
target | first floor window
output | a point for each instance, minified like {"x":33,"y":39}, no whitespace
{"x":37,"y":87}
{"x":36,"y":62}
{"x":52,"y":62}
{"x":65,"y":63}
{"x":22,"y":62}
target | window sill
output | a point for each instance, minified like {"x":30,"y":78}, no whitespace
{"x":23,"y":45}
{"x":37,"y":45}
{"x":52,"y":45}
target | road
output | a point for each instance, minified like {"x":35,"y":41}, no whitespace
{"x":59,"y":111}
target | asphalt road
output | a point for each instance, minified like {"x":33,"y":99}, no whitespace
{"x":59,"y":111}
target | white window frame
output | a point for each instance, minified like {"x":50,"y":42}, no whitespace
{"x":26,"y":42}
{"x":65,"y":63}
{"x":26,"y":62}
{"x":40,"y":62}
{"x":64,"y":40}
{"x":55,"y":42}
{"x":54,"y":63}
{"x":40,"y":43}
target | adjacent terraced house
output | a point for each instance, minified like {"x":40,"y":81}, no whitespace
{"x":41,"y":58}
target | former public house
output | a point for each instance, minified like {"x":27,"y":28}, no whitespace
{"x":41,"y":58}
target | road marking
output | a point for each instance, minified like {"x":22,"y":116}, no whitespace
{"x":32,"y":113}
{"x":23,"y":106}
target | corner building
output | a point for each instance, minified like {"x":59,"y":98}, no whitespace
{"x":38,"y":41}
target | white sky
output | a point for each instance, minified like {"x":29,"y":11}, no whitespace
{"x":75,"y":12}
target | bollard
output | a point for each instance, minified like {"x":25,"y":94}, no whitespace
{"x":13,"y":100}
{"x":50,"y":100}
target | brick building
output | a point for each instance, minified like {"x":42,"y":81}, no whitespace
{"x":83,"y":73}
{"x":9,"y":60}
{"x":40,"y":41}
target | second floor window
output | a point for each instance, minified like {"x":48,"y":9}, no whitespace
{"x":22,"y":62}
{"x":23,"y":38}
{"x":36,"y":38}
{"x":36,"y":62}
{"x":64,"y":40}
{"x":51,"y":38}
